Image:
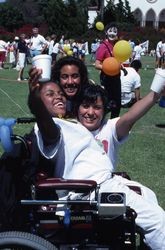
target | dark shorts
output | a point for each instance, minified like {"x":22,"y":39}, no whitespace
{"x":2,"y":56}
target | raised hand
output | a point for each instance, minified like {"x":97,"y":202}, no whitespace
{"x":34,"y":75}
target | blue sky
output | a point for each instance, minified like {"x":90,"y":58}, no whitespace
{"x":1,"y":1}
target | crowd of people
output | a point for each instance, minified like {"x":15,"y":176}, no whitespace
{"x":19,"y":52}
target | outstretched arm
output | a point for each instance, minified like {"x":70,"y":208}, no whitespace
{"x":138,"y":110}
{"x":48,"y":129}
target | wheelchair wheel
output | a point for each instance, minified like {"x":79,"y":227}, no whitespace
{"x":15,"y":240}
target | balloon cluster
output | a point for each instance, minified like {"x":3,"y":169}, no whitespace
{"x":6,"y":132}
{"x":122,"y":51}
{"x":67,"y":50}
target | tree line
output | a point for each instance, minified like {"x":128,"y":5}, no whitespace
{"x":69,"y":17}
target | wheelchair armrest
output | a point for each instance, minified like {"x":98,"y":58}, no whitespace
{"x":63,"y":184}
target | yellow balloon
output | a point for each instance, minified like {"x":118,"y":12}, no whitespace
{"x":122,"y":50}
{"x":69,"y":52}
{"x":100,"y":26}
{"x":66,"y":48}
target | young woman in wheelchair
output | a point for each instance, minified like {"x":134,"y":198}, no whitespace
{"x":78,"y":156}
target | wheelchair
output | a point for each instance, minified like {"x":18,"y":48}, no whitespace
{"x":72,"y":214}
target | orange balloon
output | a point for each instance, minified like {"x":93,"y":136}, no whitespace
{"x":111,"y":66}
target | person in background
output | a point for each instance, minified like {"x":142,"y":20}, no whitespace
{"x":48,"y":40}
{"x":132,"y":43}
{"x":12,"y":49}
{"x":62,"y":42}
{"x":56,"y":50}
{"x":75,"y":48}
{"x":130,"y":84}
{"x":11,"y":53}
{"x":3,"y":50}
{"x":163,"y":53}
{"x":51,"y":44}
{"x":137,"y":51}
{"x":15,"y":47}
{"x":112,"y":84}
{"x":158,"y":54}
{"x":94,"y":46}
{"x":72,"y":75}
{"x":82,"y":50}
{"x":38,"y":43}
{"x":22,"y":51}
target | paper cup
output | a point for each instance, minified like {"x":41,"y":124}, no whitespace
{"x":158,"y":81}
{"x":43,"y":62}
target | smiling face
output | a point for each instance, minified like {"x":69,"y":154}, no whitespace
{"x":70,"y":80}
{"x":112,"y":33}
{"x":54,"y":99}
{"x":91,"y":114}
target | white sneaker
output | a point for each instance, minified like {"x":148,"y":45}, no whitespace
{"x":19,"y":79}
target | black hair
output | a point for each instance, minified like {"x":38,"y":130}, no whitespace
{"x":70,"y":60}
{"x":136,"y":64}
{"x":110,"y":25}
{"x":137,"y":41}
{"x":90,"y":94}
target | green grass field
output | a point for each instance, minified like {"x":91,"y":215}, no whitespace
{"x":142,"y":156}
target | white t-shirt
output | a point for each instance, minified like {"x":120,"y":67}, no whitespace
{"x":158,"y":49}
{"x":56,"y":48}
{"x":37,"y":42}
{"x":106,"y":137}
{"x":81,"y":156}
{"x":137,"y":51}
{"x":51,"y":44}
{"x":129,"y":83}
{"x":3,"y":45}
{"x":163,"y":48}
